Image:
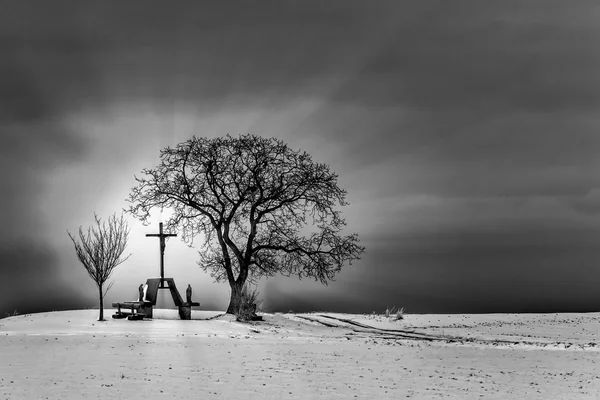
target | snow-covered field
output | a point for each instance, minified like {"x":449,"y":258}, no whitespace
{"x":70,"y":355}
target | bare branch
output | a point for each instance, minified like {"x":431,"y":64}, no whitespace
{"x":260,"y":207}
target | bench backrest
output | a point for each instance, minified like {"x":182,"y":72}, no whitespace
{"x":152,"y":291}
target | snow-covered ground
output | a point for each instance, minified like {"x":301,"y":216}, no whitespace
{"x":70,"y":355}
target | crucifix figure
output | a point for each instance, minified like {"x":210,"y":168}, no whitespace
{"x":162,"y":237}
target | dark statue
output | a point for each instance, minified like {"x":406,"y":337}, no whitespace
{"x":188,"y":293}
{"x":141,"y":290}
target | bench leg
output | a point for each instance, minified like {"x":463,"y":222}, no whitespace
{"x":185,"y":312}
{"x":147,"y":310}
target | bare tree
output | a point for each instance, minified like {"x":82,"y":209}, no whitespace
{"x":260,"y":207}
{"x":100,"y":251}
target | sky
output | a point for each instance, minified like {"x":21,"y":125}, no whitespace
{"x":465,"y":132}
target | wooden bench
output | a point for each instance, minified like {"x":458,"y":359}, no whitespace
{"x":134,"y":309}
{"x":131,"y":309}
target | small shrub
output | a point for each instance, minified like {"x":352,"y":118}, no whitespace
{"x":13,"y":314}
{"x":394,"y":313}
{"x":400,"y":314}
{"x":248,"y":305}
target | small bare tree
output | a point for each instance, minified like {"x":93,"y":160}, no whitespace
{"x":100,"y":251}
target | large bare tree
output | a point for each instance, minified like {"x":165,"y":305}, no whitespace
{"x":100,"y":250}
{"x":261,"y":208}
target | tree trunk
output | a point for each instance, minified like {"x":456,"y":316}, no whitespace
{"x":236,"y":294}
{"x":101,"y":317}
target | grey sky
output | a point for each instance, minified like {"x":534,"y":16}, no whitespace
{"x":466,"y":133}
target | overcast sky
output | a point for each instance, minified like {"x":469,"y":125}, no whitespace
{"x":465,"y":132}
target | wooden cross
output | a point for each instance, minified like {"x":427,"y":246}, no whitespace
{"x":162,"y":237}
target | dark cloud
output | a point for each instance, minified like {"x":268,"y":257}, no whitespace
{"x":29,"y":267}
{"x":588,"y":204}
{"x":480,"y":57}
{"x":31,"y":280}
{"x":34,"y":81}
{"x":464,"y":156}
{"x":465,"y":56}
{"x":470,"y":57}
{"x":46,"y":65}
{"x":529,"y":269}
{"x":471,"y":278}
{"x":191,"y":51}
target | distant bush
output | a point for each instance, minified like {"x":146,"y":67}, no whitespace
{"x":395,"y":313}
{"x":14,"y":314}
{"x":248,"y":305}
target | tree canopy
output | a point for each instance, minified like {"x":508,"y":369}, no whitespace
{"x":260,"y":207}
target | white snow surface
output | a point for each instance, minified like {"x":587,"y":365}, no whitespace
{"x":71,"y":355}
